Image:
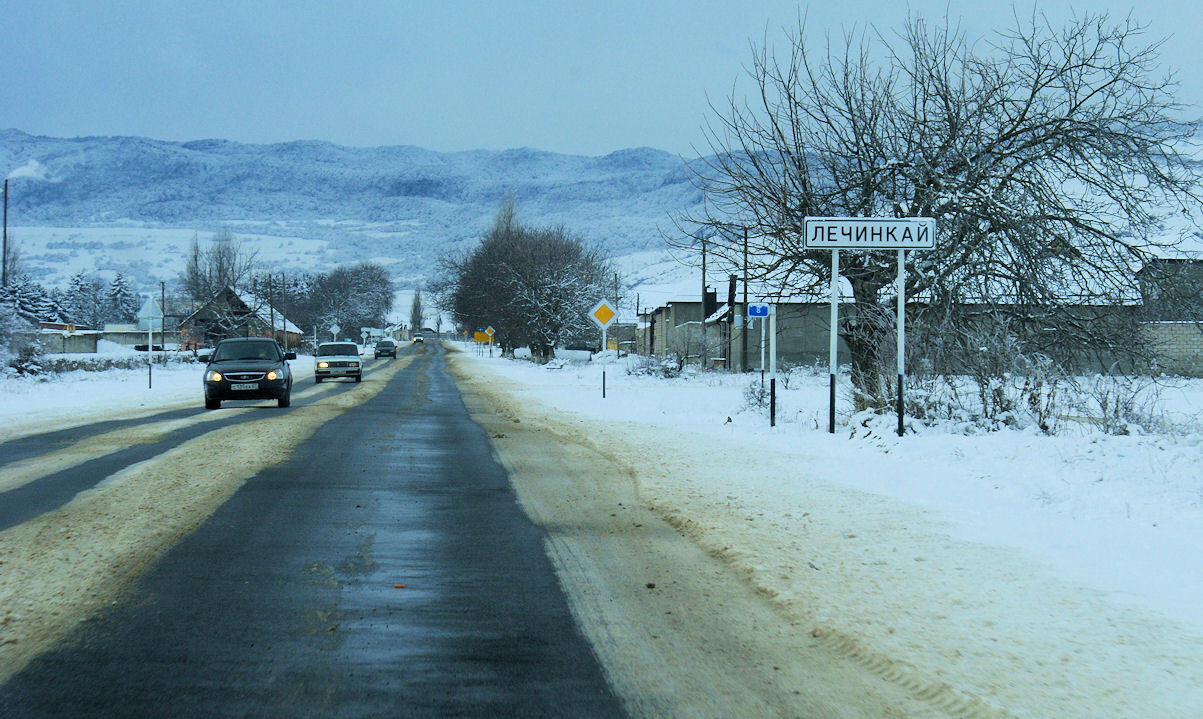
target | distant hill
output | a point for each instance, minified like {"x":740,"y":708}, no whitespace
{"x":400,"y":205}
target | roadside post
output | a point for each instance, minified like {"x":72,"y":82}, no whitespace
{"x":772,"y":366}
{"x":603,"y":315}
{"x":868,"y":233}
{"x":760,"y":311}
{"x":150,"y":312}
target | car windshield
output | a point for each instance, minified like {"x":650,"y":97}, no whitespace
{"x":338,"y":349}
{"x":384,"y":343}
{"x":227,"y":351}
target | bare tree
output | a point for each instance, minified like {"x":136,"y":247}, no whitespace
{"x":224,"y":262}
{"x":532,"y":285}
{"x":352,"y":297}
{"x":1050,"y":157}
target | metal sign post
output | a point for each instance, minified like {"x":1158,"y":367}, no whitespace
{"x":603,"y":316}
{"x":772,"y":366}
{"x":759,"y":310}
{"x":833,"y":338}
{"x":868,"y":233}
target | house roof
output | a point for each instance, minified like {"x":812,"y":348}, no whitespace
{"x":263,"y":314}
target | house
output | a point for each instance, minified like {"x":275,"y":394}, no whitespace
{"x":231,"y":314}
{"x":1171,"y":290}
{"x":678,"y":328}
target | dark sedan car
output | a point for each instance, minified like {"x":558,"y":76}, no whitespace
{"x":386,"y":348}
{"x":248,"y":368}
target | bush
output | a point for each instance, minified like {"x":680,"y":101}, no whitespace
{"x":651,"y":366}
{"x":756,"y":395}
{"x":1121,"y":404}
{"x":38,"y":364}
{"x":29,"y":360}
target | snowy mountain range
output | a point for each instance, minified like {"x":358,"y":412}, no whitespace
{"x":132,"y":205}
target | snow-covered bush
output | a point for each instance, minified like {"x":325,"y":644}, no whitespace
{"x":100,"y":363}
{"x":756,"y":395}
{"x":651,"y":366}
{"x":20,"y":349}
{"x":1121,"y":404}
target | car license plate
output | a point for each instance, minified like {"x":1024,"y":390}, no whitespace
{"x":245,"y":386}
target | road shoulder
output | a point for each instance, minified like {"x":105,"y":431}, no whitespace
{"x":679,"y":631}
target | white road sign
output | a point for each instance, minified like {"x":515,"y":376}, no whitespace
{"x":869,"y":233}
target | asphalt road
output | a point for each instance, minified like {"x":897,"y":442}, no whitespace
{"x":286,"y":603}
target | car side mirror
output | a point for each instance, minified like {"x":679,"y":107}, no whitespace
{"x":290,"y":355}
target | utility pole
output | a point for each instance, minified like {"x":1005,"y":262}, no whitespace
{"x":271,"y":307}
{"x":4,"y":259}
{"x":284,"y":308}
{"x":163,"y":318}
{"x":702,"y":353}
{"x":743,"y":335}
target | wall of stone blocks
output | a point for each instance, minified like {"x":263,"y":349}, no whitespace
{"x":1179,"y":346}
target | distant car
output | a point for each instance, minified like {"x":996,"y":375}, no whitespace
{"x":386,"y":348}
{"x":418,"y":339}
{"x":337,"y":359}
{"x":248,"y":368}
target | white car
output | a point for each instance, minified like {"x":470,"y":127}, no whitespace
{"x":337,"y":359}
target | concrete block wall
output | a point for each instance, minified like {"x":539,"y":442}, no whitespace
{"x":1179,"y":346}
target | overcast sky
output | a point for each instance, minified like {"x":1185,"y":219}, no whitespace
{"x":566,"y":76}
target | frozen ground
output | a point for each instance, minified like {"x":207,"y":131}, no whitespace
{"x":1045,"y":576}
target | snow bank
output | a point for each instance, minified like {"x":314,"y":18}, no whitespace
{"x":1048,"y":576}
{"x":28,"y":404}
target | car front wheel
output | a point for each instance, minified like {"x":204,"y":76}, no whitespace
{"x":284,"y":399}
{"x":358,"y":377}
{"x":212,"y":403}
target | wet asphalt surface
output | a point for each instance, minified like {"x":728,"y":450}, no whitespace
{"x":285,"y":602}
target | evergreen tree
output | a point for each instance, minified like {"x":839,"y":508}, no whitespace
{"x":31,"y":302}
{"x":122,"y":303}
{"x":415,"y":311}
{"x":84,"y":301}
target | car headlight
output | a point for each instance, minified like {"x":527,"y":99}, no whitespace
{"x":274,"y":375}
{"x":214,"y":376}
{"x":355,"y":363}
{"x":323,"y":365}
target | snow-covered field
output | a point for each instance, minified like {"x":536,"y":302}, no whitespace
{"x":1048,"y":576}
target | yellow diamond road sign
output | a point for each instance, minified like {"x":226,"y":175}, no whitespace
{"x":602,"y":314}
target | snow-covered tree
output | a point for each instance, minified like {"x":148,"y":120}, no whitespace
{"x":84,"y":300}
{"x":416,"y":311}
{"x":534,"y":286}
{"x":1055,"y":161}
{"x":353,"y":297}
{"x":121,"y":303}
{"x":10,"y":324}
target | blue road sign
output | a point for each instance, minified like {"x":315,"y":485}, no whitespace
{"x":758,"y":309}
